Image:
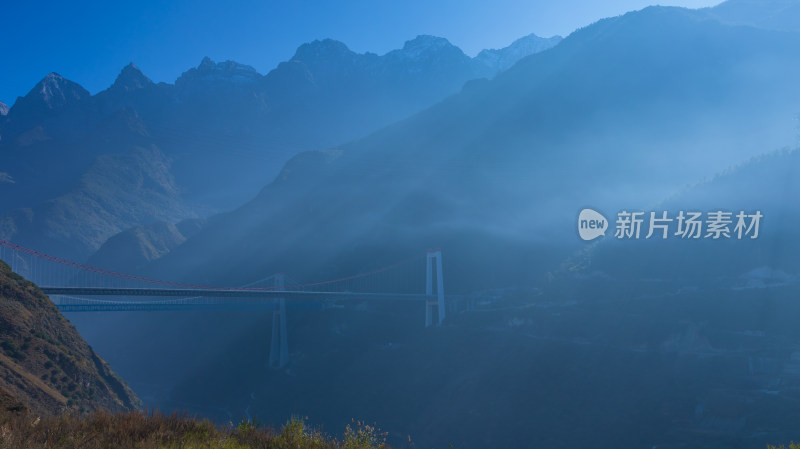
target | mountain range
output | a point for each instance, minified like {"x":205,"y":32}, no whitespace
{"x":217,"y":135}
{"x":552,"y":133}
{"x":731,"y":262}
{"x":341,"y":163}
{"x":621,"y":114}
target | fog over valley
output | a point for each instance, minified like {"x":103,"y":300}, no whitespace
{"x":396,"y":239}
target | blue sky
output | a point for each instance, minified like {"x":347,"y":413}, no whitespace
{"x":89,"y":42}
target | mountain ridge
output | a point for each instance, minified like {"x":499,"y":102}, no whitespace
{"x":618,"y":114}
{"x":130,"y":78}
{"x":532,"y":96}
{"x":504,"y":58}
{"x":782,"y":15}
{"x":225,"y":127}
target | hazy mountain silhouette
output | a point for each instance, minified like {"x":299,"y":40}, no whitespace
{"x":620,"y":114}
{"x":133,"y":248}
{"x":223,"y":130}
{"x":703,"y":262}
{"x":502,"y":59}
{"x":781,"y":15}
{"x":560,"y":125}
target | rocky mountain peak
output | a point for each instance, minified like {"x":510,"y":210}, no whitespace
{"x":131,"y":78}
{"x":426,"y":45}
{"x":208,"y":70}
{"x":426,"y":42}
{"x":502,"y":59}
{"x":53,"y":92}
{"x":206,"y":64}
{"x":325,"y":49}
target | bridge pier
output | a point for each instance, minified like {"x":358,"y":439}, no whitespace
{"x":434,"y":303}
{"x":279,"y":346}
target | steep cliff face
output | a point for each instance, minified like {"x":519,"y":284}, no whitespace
{"x":45,"y":365}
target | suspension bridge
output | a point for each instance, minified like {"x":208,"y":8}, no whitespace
{"x":78,"y":287}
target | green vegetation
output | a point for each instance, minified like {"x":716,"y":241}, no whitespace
{"x":362,"y":436}
{"x":792,"y":445}
{"x":44,"y":362}
{"x":158,"y":431}
{"x":12,"y":350}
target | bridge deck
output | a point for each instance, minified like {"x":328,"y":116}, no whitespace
{"x":206,"y":299}
{"x":232,"y":293}
{"x":164,"y":307}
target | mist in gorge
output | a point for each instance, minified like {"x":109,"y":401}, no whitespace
{"x":404,"y":238}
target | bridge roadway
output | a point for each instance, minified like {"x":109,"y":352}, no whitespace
{"x":208,"y":299}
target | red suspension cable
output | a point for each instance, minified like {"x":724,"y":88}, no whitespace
{"x":92,"y":269}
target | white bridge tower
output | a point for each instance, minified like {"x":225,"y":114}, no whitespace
{"x":434,"y":303}
{"x":279,"y":347}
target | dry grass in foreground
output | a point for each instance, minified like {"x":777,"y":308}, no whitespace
{"x":143,"y":430}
